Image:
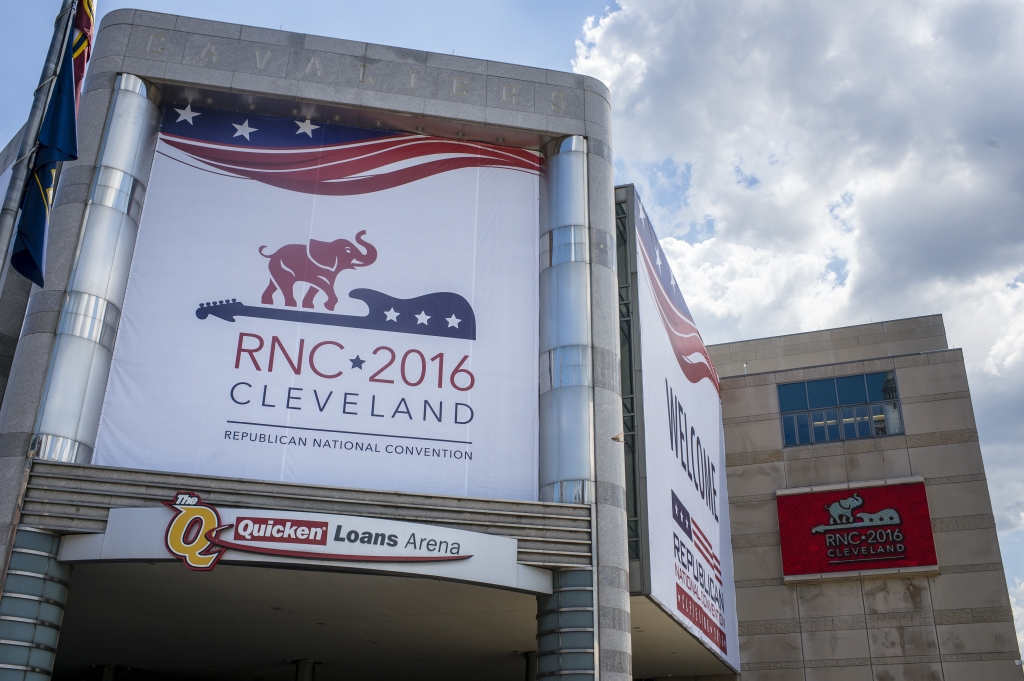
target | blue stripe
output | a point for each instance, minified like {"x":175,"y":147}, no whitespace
{"x":271,"y":132}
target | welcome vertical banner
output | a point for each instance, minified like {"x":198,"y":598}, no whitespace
{"x":688,"y":507}
{"x":324,"y":304}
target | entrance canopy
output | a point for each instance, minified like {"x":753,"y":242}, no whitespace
{"x":161,"y":620}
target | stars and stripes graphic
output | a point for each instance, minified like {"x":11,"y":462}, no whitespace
{"x":687,"y":345}
{"x":704,"y":548}
{"x":314,"y":157}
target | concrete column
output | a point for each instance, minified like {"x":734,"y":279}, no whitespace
{"x":14,"y":292}
{"x":305,"y":670}
{"x":32,"y":606}
{"x":14,"y":288}
{"x":612,"y":553}
{"x":566,"y":371}
{"x":70,"y":411}
{"x":531,"y":666}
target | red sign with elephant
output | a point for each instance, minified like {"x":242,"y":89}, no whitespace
{"x":855,"y":528}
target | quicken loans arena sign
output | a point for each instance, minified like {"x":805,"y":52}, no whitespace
{"x":204,"y":536}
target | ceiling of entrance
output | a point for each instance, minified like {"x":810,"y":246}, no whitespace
{"x":161,"y":620}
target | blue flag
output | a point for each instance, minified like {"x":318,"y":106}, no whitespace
{"x":58,"y":141}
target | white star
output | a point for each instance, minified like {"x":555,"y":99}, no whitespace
{"x":453,"y":321}
{"x":243,"y":129}
{"x":306,"y":126}
{"x":187,"y":114}
{"x":658,"y":256}
{"x":422,"y":317}
{"x":391,"y":315}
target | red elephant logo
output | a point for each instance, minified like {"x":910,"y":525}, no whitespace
{"x":317,"y":264}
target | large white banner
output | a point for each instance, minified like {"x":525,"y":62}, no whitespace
{"x":330,"y":305}
{"x":687,"y":503}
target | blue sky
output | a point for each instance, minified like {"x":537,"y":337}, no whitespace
{"x":530,"y":32}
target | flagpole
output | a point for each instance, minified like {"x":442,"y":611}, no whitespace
{"x":20,"y":168}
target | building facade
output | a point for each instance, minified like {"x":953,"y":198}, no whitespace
{"x":71,"y":610}
{"x":947,"y":621}
{"x":175,"y":505}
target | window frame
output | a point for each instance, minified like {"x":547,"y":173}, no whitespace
{"x":809,"y":411}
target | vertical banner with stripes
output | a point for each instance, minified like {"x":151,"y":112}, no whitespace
{"x":687,"y":502}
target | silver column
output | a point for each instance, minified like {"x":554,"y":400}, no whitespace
{"x":566,"y":367}
{"x":70,"y":412}
{"x":32,"y":606}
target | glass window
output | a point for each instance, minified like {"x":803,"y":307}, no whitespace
{"x":851,"y":390}
{"x":863,"y":423}
{"x":825,"y":425}
{"x":795,"y":429}
{"x":792,"y":397}
{"x":831,"y":410}
{"x":849,"y":423}
{"x":832,"y":424}
{"x":789,"y":430}
{"x":818,"y":426}
{"x":855,"y":422}
{"x":803,"y":428}
{"x":882,"y":386}
{"x":821,"y":393}
{"x":893,"y":422}
{"x":878,"y":420}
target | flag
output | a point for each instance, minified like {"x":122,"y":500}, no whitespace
{"x":319,"y":157}
{"x":57,"y":142}
{"x":81,"y":42}
{"x":29,"y":255}
{"x":687,"y":345}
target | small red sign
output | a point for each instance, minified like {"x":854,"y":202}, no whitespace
{"x":286,"y":530}
{"x":863,"y":528}
{"x":693,"y":612}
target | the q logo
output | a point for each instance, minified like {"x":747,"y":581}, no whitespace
{"x":188,"y":533}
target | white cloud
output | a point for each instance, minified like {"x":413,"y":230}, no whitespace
{"x":820,"y":164}
{"x":1017,"y":602}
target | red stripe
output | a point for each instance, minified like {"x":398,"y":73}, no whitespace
{"x":706,"y":549}
{"x":329,"y":556}
{"x":704,"y":538}
{"x":676,"y":324}
{"x":709,"y":560}
{"x":364,"y":155}
{"x":340,"y":170}
{"x":692,"y":611}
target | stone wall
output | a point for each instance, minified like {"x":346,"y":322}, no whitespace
{"x":846,"y":344}
{"x":954,"y":626}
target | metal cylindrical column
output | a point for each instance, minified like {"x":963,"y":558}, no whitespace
{"x":70,"y":412}
{"x":565,"y":628}
{"x":566,"y":364}
{"x":32,"y":606}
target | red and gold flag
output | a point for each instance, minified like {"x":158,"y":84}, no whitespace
{"x":81,"y":42}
